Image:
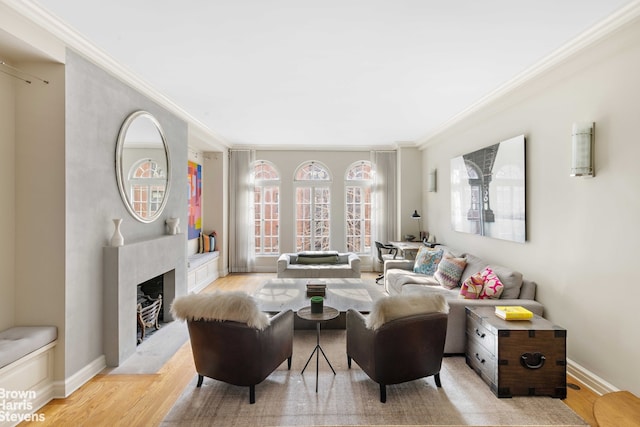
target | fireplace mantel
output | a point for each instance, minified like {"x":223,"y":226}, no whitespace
{"x":127,"y":266}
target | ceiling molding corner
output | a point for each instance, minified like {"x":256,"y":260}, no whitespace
{"x":405,"y":144}
{"x":596,"y":33}
{"x":31,"y":11}
{"x":204,"y":139}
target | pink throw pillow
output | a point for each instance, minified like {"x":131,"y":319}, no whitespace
{"x":472,"y":287}
{"x":493,"y":287}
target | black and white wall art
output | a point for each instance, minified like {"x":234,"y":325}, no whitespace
{"x":488,"y":191}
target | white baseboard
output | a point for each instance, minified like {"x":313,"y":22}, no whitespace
{"x":62,"y":389}
{"x":265,"y":269}
{"x":589,"y":379}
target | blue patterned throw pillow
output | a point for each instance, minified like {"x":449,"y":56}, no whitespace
{"x":427,"y":260}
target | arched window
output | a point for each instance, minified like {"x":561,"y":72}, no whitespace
{"x":266,"y":202}
{"x":148,"y":182}
{"x":313,"y":207}
{"x":358,"y":185}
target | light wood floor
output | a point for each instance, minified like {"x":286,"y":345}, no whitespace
{"x":144,"y":400}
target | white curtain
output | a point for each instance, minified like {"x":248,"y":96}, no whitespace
{"x":384,"y":197}
{"x":242,"y":254}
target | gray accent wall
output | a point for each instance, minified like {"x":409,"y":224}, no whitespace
{"x":96,"y":106}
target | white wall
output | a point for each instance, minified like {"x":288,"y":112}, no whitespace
{"x":32,"y":250}
{"x":214,"y":204}
{"x":582,"y":239}
{"x":40,"y":204}
{"x":215,"y":184}
{"x":410,"y":181}
{"x":287,"y":163}
{"x":8,"y":195}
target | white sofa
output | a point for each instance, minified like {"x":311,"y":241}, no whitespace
{"x":319,"y":264}
{"x":399,"y":277}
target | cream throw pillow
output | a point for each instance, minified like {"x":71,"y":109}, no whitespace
{"x":397,"y":306}
{"x":236,"y":306}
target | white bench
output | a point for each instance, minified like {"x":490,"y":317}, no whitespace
{"x":202,"y":269}
{"x":26,"y":369}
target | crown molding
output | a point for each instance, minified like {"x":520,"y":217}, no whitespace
{"x":266,"y":147}
{"x":596,"y":33}
{"x":405,"y":144}
{"x":23,"y":41}
{"x":76,"y":41}
{"x":204,"y":139}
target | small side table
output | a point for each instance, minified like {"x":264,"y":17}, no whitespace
{"x":618,"y":409}
{"x":328,"y":313}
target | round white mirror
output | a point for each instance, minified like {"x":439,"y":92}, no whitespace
{"x":143,"y":166}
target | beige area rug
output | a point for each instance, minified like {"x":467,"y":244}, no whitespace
{"x":287,"y":398}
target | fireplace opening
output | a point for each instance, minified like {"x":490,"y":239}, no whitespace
{"x":149,"y":314}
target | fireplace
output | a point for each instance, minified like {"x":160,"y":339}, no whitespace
{"x":149,"y":307}
{"x":125,"y":267}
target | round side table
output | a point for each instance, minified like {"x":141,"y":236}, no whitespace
{"x":328,"y":313}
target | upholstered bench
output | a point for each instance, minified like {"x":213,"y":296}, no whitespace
{"x":319,"y":264}
{"x":17,"y":342}
{"x":26,"y":362}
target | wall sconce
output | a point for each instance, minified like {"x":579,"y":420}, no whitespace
{"x":582,"y":149}
{"x":432,"y":181}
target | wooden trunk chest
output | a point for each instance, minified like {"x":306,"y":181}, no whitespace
{"x":517,"y":357}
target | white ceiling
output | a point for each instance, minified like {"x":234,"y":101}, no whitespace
{"x":328,"y":73}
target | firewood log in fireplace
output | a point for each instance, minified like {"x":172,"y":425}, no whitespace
{"x":148,"y":312}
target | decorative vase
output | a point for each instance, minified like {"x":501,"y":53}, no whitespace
{"x":117,"y":239}
{"x":173,"y":225}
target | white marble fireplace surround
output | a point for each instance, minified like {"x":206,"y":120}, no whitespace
{"x":125,"y":267}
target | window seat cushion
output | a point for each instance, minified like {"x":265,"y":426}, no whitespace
{"x":196,"y":260}
{"x":19,"y":341}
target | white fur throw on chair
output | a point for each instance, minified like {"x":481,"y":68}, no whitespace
{"x":235,"y":306}
{"x":397,"y":306}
